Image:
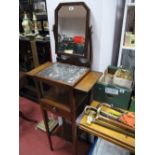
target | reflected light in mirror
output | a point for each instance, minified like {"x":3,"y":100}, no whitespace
{"x":71,"y":8}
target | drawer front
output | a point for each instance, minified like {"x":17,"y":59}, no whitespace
{"x":55,"y":110}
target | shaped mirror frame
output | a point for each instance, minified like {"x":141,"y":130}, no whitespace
{"x":58,"y":12}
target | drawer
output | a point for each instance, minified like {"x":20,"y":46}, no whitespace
{"x":56,"y":108}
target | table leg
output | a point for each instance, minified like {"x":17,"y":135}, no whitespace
{"x":74,"y":128}
{"x":74,"y":138}
{"x":45,"y":117}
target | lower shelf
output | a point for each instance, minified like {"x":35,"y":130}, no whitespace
{"x":53,"y":124}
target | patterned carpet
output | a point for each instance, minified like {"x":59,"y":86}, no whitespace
{"x":34,"y":142}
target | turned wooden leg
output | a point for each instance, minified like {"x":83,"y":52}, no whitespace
{"x":74,"y":137}
{"x":45,"y":117}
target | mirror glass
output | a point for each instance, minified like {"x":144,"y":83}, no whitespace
{"x":71,"y":29}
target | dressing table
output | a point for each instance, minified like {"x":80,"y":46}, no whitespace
{"x":64,"y":87}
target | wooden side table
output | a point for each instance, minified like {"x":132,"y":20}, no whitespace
{"x":65,"y":99}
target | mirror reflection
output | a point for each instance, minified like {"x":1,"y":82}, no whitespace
{"x":71,"y":29}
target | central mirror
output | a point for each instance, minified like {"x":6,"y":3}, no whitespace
{"x":71,"y":21}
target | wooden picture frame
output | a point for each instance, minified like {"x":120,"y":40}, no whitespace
{"x":87,"y":28}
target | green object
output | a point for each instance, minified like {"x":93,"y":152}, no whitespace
{"x":132,"y":105}
{"x":78,"y":48}
{"x":61,"y":47}
{"x":117,"y":96}
{"x":65,"y":46}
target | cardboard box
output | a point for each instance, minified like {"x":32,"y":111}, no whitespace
{"x":106,"y":91}
{"x":132,"y":105}
{"x":114,"y":95}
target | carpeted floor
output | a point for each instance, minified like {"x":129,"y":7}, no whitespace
{"x":34,"y":142}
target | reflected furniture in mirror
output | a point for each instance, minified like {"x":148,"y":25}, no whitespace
{"x":64,"y":87}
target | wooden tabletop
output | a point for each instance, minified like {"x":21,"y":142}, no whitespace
{"x":38,"y":69}
{"x":85,"y":84}
{"x":107,"y":134}
{"x":88,"y":81}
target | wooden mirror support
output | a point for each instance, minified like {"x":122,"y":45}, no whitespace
{"x":72,"y":34}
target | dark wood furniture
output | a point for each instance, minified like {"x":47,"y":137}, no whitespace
{"x":61,"y":96}
{"x":22,"y":84}
{"x":32,"y":53}
{"x":28,"y":7}
{"x":62,"y":99}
